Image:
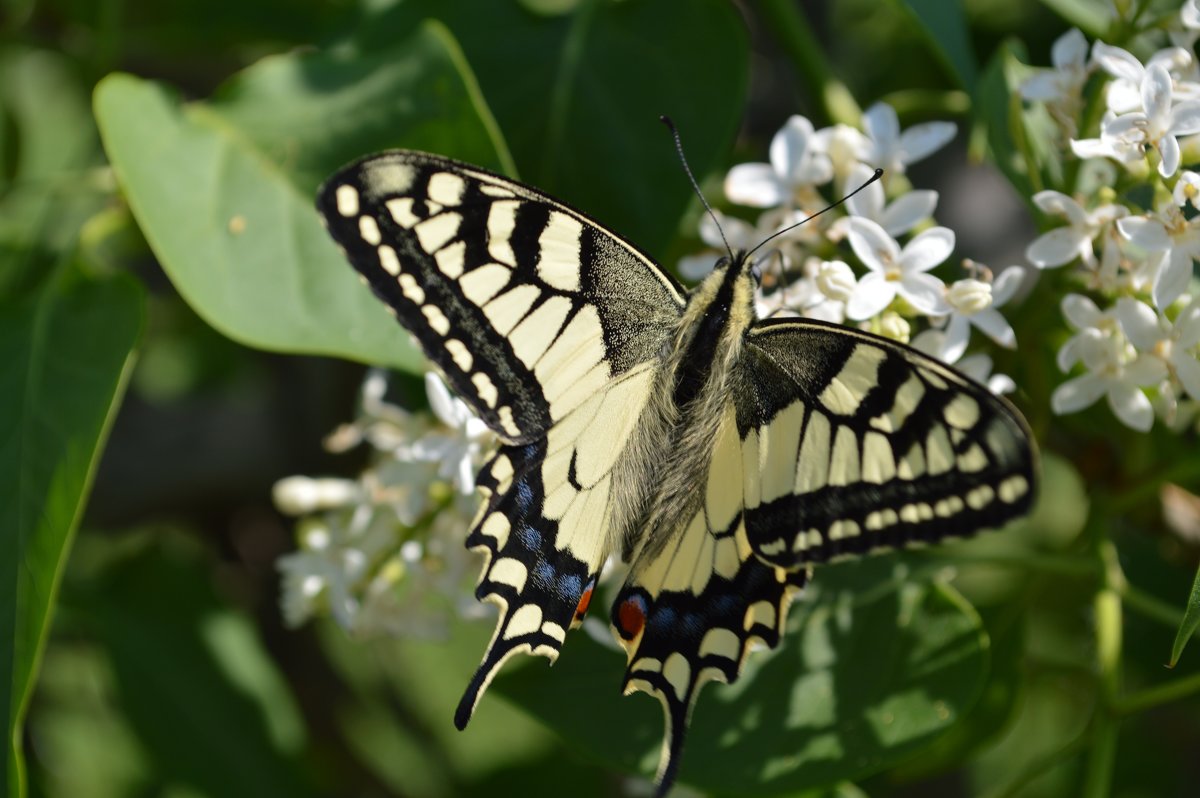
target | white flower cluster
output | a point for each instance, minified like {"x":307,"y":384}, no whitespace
{"x":1131,"y":229}
{"x":886,"y":230}
{"x":373,"y":550}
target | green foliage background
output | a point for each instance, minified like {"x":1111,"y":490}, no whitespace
{"x":161,"y":269}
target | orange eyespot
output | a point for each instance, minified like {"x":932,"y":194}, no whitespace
{"x":584,"y":601}
{"x":631,"y":617}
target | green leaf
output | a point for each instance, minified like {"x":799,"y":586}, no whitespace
{"x":198,"y":688}
{"x":1189,"y":624}
{"x":579,"y":95}
{"x":63,"y":357}
{"x":874,"y":667}
{"x":945,"y":25}
{"x":224,"y":190}
{"x":998,"y":108}
{"x":1090,"y":16}
{"x":48,"y":141}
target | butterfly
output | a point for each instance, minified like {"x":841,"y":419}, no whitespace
{"x":719,"y":455}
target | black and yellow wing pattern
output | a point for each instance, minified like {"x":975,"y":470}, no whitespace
{"x":719,"y":455}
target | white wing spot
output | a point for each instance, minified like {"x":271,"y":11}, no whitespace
{"x":508,"y":571}
{"x":502,"y":220}
{"x":435,"y":233}
{"x":388,"y":260}
{"x":437,"y":320}
{"x":401,"y":210}
{"x":450,"y":259}
{"x":369,"y":230}
{"x":346,"y":197}
{"x":412,"y":291}
{"x":487,"y":390}
{"x":481,"y":284}
{"x":446,"y":188}
{"x":526,"y":620}
{"x":460,"y":354}
{"x":558,"y":264}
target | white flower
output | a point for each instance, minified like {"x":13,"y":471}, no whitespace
{"x":1173,"y":343}
{"x":1115,"y":373}
{"x":892,"y":150}
{"x":797,"y":162}
{"x":458,"y":453}
{"x":1187,"y":189}
{"x":821,"y":293}
{"x":1125,"y":92}
{"x":740,"y":234}
{"x":845,"y":146}
{"x":901,"y":216}
{"x":973,"y":303}
{"x":1189,"y":25}
{"x":1174,"y":242}
{"x":300,"y":495}
{"x":1121,"y":152}
{"x":1159,"y":123}
{"x":1062,"y":84}
{"x":979,"y":368}
{"x":895,"y":271}
{"x":1086,"y":319}
{"x":1063,"y":244}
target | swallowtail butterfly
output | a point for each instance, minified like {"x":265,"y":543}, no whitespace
{"x":720,"y":455}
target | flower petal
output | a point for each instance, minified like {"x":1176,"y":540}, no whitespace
{"x":1074,"y":395}
{"x":1070,"y":49}
{"x":870,"y":201}
{"x":1145,"y":370}
{"x":756,"y":185}
{"x":1146,"y":232}
{"x":924,"y":292}
{"x":1185,"y":118}
{"x":882,"y":125}
{"x":958,"y":335}
{"x":1006,"y":284}
{"x":1187,"y":327}
{"x":695,"y":268}
{"x":440,"y":400}
{"x":1057,"y":247}
{"x":927,"y":249}
{"x":874,"y":247}
{"x":1117,"y":62}
{"x":1156,"y":93}
{"x":920,"y":141}
{"x":1131,"y":406}
{"x":1058,"y":203}
{"x":1140,"y":323}
{"x":1168,"y":155}
{"x":872,"y":294}
{"x":1172,"y":278}
{"x":1187,"y":368}
{"x":907,"y":211}
{"x":789,"y":145}
{"x":996,"y":327}
{"x":1081,"y":311}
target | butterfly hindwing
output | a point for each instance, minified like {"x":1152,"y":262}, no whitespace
{"x":527,"y":306}
{"x":690,"y":609}
{"x":853,"y":442}
{"x":544,"y":527}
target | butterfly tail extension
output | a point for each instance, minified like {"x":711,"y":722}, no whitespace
{"x":540,"y":588}
{"x":857,"y":443}
{"x":678,"y":639}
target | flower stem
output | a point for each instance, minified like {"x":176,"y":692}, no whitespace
{"x":1157,"y":696}
{"x":1107,"y":608}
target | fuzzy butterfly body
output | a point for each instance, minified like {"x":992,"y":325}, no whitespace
{"x":719,"y":455}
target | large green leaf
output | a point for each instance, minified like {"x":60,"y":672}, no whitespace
{"x":945,"y":26}
{"x":208,"y":706}
{"x":998,"y":108}
{"x":578,"y":96}
{"x":874,"y":667}
{"x":63,"y":355}
{"x":223,"y":190}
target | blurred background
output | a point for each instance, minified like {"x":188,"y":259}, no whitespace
{"x":168,"y":668}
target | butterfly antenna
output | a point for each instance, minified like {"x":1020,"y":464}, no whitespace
{"x":666,"y":120}
{"x":878,"y":174}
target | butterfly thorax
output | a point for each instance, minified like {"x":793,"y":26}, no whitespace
{"x":669,"y":456}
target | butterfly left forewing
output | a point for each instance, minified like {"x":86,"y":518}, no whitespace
{"x":852,"y":442}
{"x":526,"y":305}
